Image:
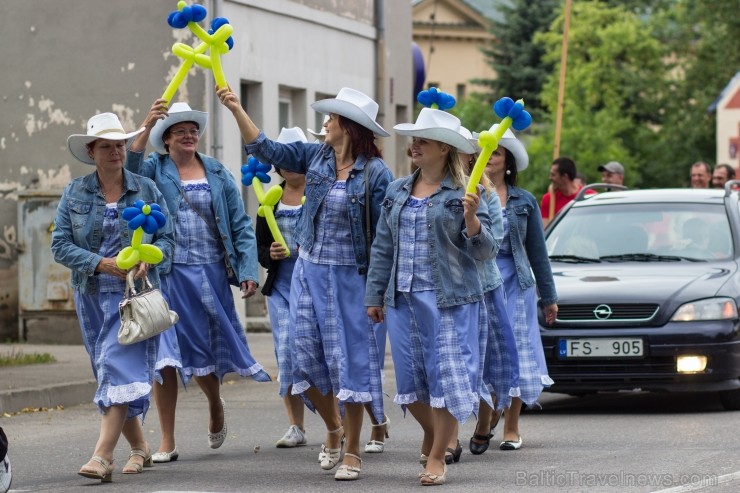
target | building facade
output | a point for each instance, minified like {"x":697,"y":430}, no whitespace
{"x":82,"y":57}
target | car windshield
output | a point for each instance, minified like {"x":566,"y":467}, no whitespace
{"x":642,"y":232}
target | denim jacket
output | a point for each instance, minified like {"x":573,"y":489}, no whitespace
{"x":490,"y":277}
{"x":318,"y":163}
{"x":78,"y":226}
{"x":234,"y":225}
{"x":527,"y":237}
{"x":453,"y":253}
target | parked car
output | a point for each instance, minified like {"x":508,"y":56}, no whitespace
{"x":648,"y":290}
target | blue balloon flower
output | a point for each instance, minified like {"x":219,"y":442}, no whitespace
{"x":147,"y":217}
{"x":520,"y":119}
{"x":433,"y":95}
{"x":192,"y":13}
{"x":255,"y":168}
{"x":218,"y":22}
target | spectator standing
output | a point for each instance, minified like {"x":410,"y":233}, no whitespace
{"x":562,"y":178}
{"x":612,"y":172}
{"x":701,"y":175}
{"x":721,"y":175}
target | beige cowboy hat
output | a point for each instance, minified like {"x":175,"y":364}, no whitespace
{"x":178,"y":113}
{"x":354,"y":105}
{"x":514,"y":145}
{"x":437,"y":125}
{"x":101,"y":126}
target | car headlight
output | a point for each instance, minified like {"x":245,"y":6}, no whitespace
{"x":709,"y":309}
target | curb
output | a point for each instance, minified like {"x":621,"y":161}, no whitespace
{"x":68,"y":394}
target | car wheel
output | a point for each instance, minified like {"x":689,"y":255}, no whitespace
{"x":730,"y":399}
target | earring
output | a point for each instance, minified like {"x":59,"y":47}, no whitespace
{"x":508,"y":171}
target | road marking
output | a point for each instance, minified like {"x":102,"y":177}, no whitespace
{"x":702,"y":484}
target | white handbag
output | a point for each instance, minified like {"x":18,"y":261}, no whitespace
{"x":144,"y":314}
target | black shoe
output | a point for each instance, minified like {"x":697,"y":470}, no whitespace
{"x":478,"y":448}
{"x":453,"y":455}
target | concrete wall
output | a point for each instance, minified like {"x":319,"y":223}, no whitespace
{"x":70,"y":59}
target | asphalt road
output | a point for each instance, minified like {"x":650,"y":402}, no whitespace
{"x":609,"y":443}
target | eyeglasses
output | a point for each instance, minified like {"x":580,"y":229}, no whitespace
{"x":180,"y":132}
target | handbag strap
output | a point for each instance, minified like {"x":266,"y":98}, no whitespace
{"x":131,"y":283}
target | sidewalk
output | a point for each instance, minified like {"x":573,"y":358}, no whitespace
{"x":70,"y":382}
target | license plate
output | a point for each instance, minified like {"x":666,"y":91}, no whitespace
{"x":621,"y":347}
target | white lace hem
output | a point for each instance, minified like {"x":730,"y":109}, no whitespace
{"x":346,"y":395}
{"x":121,"y":394}
{"x":405,"y":399}
{"x":546,"y":380}
{"x":164,"y":363}
{"x":300,"y":387}
{"x":515,"y":392}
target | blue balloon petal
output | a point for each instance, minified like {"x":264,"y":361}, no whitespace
{"x":515,"y":111}
{"x":130,"y":213}
{"x":150,"y":225}
{"x":140,"y":204}
{"x":445,"y":101}
{"x":155,"y":207}
{"x":176,"y":21}
{"x":502,"y":107}
{"x":230,"y":43}
{"x":523,"y":121}
{"x":247,"y":178}
{"x":136,"y":221}
{"x":264,"y":168}
{"x":198,"y":12}
{"x":159,"y":217}
{"x":263,"y":177}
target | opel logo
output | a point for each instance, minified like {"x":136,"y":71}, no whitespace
{"x":602,"y":312}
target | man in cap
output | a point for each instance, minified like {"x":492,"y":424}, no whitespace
{"x":612,"y":172}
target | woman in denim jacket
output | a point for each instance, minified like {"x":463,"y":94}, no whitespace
{"x":335,"y":350}
{"x":522,"y":253}
{"x":423,"y":270}
{"x":89,"y":232}
{"x":214,"y":247}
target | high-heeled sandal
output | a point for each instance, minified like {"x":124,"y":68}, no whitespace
{"x":348,"y":473}
{"x":215,"y":440}
{"x":453,"y":455}
{"x":133,"y":467}
{"x":330,"y":457}
{"x":478,"y":448}
{"x":375,"y":446}
{"x":104,"y":473}
{"x":429,"y":479}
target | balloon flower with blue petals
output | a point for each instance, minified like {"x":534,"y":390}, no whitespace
{"x":142,"y":218}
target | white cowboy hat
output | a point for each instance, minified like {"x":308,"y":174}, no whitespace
{"x":468,"y":135}
{"x":178,"y":113}
{"x":437,"y":125}
{"x":514,"y":145}
{"x":354,"y":105}
{"x":101,"y":126}
{"x":288,"y":135}
{"x":321,"y":133}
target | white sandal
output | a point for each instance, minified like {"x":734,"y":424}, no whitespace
{"x":348,"y":473}
{"x":376,"y":446}
{"x":329,"y":457}
{"x":215,"y":440}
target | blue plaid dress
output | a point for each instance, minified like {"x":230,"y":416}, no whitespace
{"x":278,"y":303}
{"x":209,"y":333}
{"x":521,"y":306}
{"x":436,"y":351}
{"x":334,"y":346}
{"x":124,"y":373}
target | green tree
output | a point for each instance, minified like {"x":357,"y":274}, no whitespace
{"x":517,"y":61}
{"x":614,"y":72}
